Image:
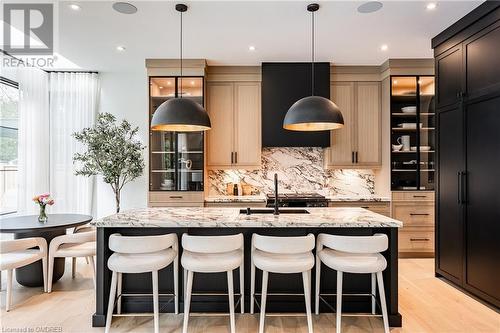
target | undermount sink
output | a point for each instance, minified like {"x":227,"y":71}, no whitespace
{"x":250,"y":211}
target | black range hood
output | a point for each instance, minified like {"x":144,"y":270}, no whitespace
{"x":282,"y":85}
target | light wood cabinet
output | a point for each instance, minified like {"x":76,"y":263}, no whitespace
{"x":416,"y":210}
{"x":175,"y":199}
{"x":235,"y":137}
{"x":379,"y":207}
{"x":358,"y":143}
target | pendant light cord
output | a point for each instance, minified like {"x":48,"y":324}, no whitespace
{"x":312,"y":55}
{"x":181,"y":56}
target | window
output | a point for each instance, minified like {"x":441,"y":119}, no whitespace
{"x":9,"y":119}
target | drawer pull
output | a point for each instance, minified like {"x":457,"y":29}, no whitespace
{"x":419,"y":214}
{"x":175,"y":197}
{"x":365,"y":207}
{"x":419,"y":239}
{"x":419,"y":196}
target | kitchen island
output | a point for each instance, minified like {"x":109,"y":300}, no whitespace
{"x":224,"y":221}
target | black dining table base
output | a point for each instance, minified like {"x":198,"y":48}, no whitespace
{"x":32,"y":275}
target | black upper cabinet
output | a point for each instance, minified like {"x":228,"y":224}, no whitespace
{"x":468,"y":152}
{"x":482,"y":52}
{"x":449,"y":77}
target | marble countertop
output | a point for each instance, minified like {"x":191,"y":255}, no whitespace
{"x":262,"y":198}
{"x":366,"y":198}
{"x":236,"y":198}
{"x":192,"y":217}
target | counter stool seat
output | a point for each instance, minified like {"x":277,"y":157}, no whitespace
{"x":141,"y":254}
{"x":283,"y":263}
{"x":213,"y":254}
{"x":353,"y":254}
{"x":141,"y":262}
{"x":353,"y":262}
{"x":204,"y":262}
{"x":284,"y":255}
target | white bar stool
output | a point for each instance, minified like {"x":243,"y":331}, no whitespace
{"x":282,"y":255}
{"x":18,"y":253}
{"x":141,"y":254}
{"x":212,"y":254}
{"x":353,"y":254}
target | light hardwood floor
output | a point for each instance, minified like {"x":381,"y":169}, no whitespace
{"x":427,"y":304}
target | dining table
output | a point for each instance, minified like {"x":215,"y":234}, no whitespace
{"x":23,"y":226}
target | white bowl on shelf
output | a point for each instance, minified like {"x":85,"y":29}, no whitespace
{"x":422,"y":148}
{"x":409,"y":109}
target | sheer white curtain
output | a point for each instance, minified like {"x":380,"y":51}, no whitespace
{"x":33,"y":136}
{"x":73,"y":106}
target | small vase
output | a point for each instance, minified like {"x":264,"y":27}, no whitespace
{"x":42,"y":217}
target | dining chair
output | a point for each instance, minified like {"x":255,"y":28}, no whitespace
{"x":80,"y":244}
{"x":18,"y":253}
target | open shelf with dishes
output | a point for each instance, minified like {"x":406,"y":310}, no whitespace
{"x":176,"y":159}
{"x":413,"y":124}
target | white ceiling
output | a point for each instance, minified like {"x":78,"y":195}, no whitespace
{"x":222,"y":31}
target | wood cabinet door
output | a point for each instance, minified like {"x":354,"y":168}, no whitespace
{"x":483,"y":62}
{"x":482,"y":248}
{"x":368,"y":124}
{"x":220,"y":105}
{"x":449,"y":210}
{"x":247,"y":124}
{"x":449,"y":78}
{"x":341,"y":151}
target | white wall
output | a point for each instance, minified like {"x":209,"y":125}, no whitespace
{"x":124,"y":94}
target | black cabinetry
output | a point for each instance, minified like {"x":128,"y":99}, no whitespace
{"x":468,"y":152}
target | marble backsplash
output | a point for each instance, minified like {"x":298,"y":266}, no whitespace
{"x":299,"y":170}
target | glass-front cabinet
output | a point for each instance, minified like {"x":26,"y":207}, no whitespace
{"x":412,"y":133}
{"x":176,"y":158}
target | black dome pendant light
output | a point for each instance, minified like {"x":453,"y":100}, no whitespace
{"x":180,"y":114}
{"x":313,"y":113}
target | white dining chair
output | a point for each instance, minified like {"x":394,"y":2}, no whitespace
{"x":80,"y":244}
{"x":212,"y":254}
{"x":141,"y":254}
{"x":79,"y":229}
{"x":356,"y":255}
{"x":283,"y":255}
{"x":18,"y":253}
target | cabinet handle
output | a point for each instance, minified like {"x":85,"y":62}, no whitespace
{"x":352,"y":157}
{"x":463,"y":187}
{"x":420,"y":196}
{"x":232,"y":157}
{"x":175,"y":197}
{"x":419,"y":214}
{"x":419,"y":239}
{"x":356,"y":154}
{"x":235,"y":157}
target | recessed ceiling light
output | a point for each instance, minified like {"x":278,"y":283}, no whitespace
{"x":192,"y":83}
{"x":395,"y":82}
{"x":124,"y":8}
{"x":251,"y":48}
{"x":160,"y":87}
{"x":370,"y":7}
{"x":169,"y":83}
{"x":431,"y":6}
{"x":384,"y":47}
{"x":120,"y":48}
{"x":75,"y":7}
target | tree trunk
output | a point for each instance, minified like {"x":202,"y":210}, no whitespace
{"x":117,"y":199}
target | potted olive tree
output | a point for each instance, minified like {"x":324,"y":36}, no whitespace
{"x":112,"y":151}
